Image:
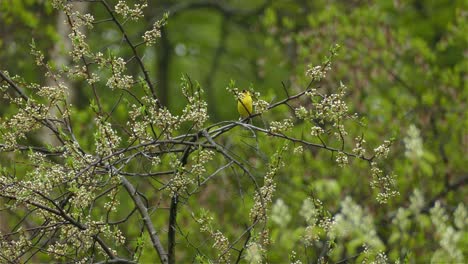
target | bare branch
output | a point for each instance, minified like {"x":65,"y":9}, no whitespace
{"x":146,"y":219}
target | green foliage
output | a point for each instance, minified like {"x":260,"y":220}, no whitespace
{"x":307,"y":181}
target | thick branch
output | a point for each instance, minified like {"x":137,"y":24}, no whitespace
{"x":146,"y":220}
{"x":173,"y":209}
{"x":14,"y":86}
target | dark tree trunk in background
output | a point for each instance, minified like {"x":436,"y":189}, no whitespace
{"x":163,"y":52}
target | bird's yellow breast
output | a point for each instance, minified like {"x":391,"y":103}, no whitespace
{"x":244,"y":104}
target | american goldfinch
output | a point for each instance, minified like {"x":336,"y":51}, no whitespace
{"x":244,"y":104}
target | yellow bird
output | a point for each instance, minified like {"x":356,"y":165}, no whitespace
{"x":244,"y":104}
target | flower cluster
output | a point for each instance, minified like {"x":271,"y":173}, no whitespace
{"x":27,"y":119}
{"x":301,"y":112}
{"x":382,"y":150}
{"x":152,"y":35}
{"x":384,"y":182}
{"x":359,"y":149}
{"x":221,"y":243}
{"x":163,"y":118}
{"x":372,"y":256}
{"x":416,"y":201}
{"x":254,"y":253}
{"x":318,"y":222}
{"x":413,"y":143}
{"x":316,"y":131}
{"x":199,"y":161}
{"x":150,"y":115}
{"x":80,"y":47}
{"x":281,"y":127}
{"x":354,"y":223}
{"x":180,"y":181}
{"x":341,"y":159}
{"x":293,"y":258}
{"x":298,"y":150}
{"x":11,"y":250}
{"x":451,"y":237}
{"x":138,"y":124}
{"x":317,"y":73}
{"x":118,"y":79}
{"x":196,"y":110}
{"x":125,"y":11}
{"x":260,"y":106}
{"x":332,"y":108}
{"x":75,"y":240}
{"x":106,"y":138}
{"x":263,"y":197}
{"x":53,"y":93}
{"x":280,"y":214}
{"x":325,"y":111}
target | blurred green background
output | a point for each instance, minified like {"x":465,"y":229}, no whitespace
{"x":404,"y":63}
